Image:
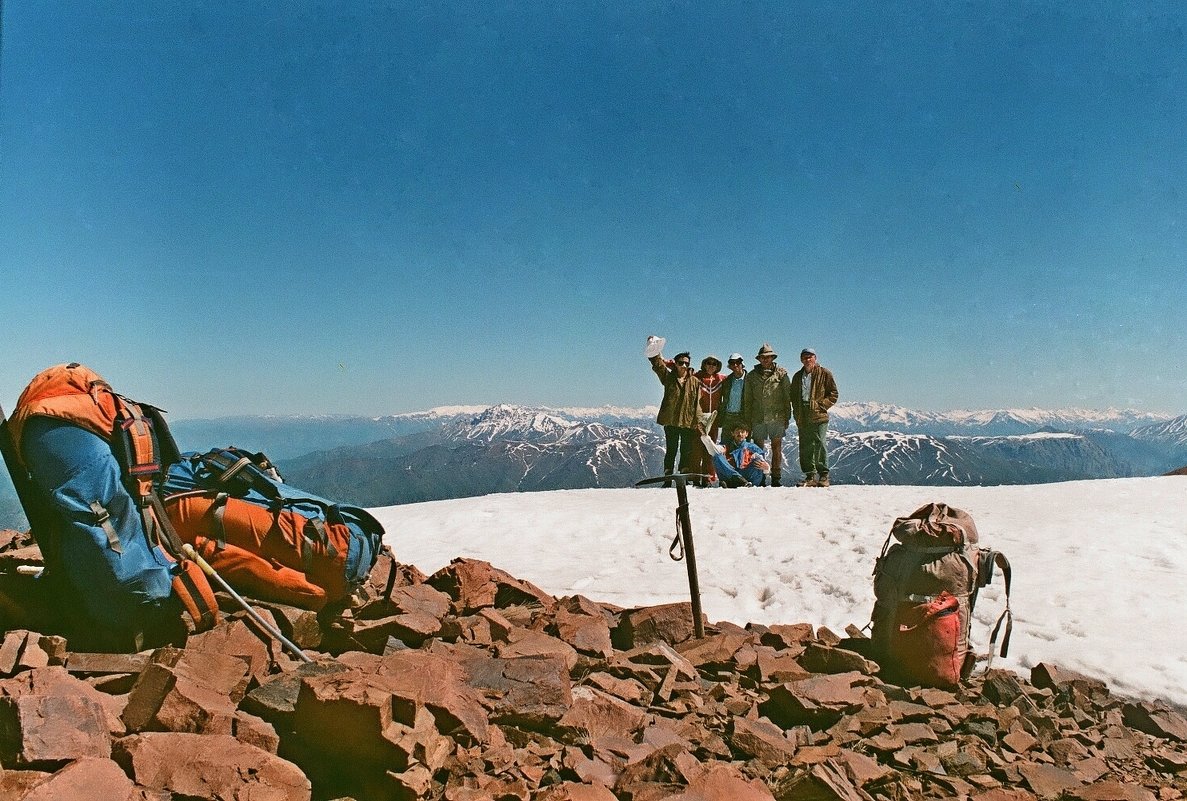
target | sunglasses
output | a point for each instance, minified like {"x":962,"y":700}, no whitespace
{"x":683,"y":363}
{"x":736,"y":361}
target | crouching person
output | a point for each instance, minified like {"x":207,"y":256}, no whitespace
{"x":742,"y":463}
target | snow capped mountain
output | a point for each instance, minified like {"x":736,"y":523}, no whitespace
{"x":510,"y":423}
{"x":1173,"y":431}
{"x":873,"y":416}
{"x":891,"y":457}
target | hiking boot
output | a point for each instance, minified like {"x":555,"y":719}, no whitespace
{"x":823,"y":482}
{"x":809,"y":481}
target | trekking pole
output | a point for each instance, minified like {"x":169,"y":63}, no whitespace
{"x":189,"y":551}
{"x":684,"y":539}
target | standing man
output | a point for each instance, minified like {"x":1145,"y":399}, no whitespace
{"x":766,"y":397}
{"x":813,"y":393}
{"x":678,"y":410}
{"x":730,"y":413}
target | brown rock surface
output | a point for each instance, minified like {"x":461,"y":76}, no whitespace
{"x":479,"y":686}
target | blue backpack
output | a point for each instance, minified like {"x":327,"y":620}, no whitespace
{"x":86,"y":464}
{"x":266,"y":538}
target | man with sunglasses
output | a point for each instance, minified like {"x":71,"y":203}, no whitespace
{"x":679,"y":411}
{"x":767,"y":406}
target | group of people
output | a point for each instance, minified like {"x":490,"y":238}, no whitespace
{"x":746,"y":408}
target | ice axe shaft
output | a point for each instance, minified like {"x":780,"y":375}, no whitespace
{"x":189,"y":551}
{"x":684,"y":532}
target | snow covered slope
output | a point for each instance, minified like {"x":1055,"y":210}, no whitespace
{"x":1099,"y":566}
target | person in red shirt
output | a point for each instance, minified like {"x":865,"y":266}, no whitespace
{"x":710,"y":401}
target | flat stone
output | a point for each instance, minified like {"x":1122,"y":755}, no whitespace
{"x":209,"y":766}
{"x":761,"y":740}
{"x":1156,"y":721}
{"x":88,"y":777}
{"x":668,"y":623}
{"x":1047,"y":781}
{"x":50,"y":718}
{"x":1112,"y":790}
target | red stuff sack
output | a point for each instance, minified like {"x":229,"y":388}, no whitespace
{"x":925,"y":646}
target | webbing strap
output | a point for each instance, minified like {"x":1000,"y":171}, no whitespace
{"x":103,"y":520}
{"x":143,"y":464}
{"x":307,"y":543}
{"x":165,"y":534}
{"x":235,"y":467}
{"x":219,"y":508}
{"x":198,"y":604}
{"x":1006,"y":616}
{"x":676,"y":549}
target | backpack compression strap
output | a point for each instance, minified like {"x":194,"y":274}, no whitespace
{"x":1007,"y":616}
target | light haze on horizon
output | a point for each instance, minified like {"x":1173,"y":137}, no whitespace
{"x":289,"y":207}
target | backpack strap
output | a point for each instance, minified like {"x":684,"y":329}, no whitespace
{"x":1006,"y":616}
{"x":236,"y":469}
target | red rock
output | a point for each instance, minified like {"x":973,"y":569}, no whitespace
{"x":761,"y":740}
{"x":669,"y":623}
{"x":862,"y":769}
{"x":793,"y":637}
{"x":14,"y":784}
{"x":84,"y":778}
{"x":826,"y":781}
{"x":723,"y":782}
{"x":818,"y":658}
{"x":1112,"y":791}
{"x":209,"y":766}
{"x":572,"y":791}
{"x":255,"y":731}
{"x":50,"y":718}
{"x":23,"y":650}
{"x":299,"y":625}
{"x":531,"y":692}
{"x":671,"y":766}
{"x":525,"y":642}
{"x":187,"y":691}
{"x":589,"y":634}
{"x":628,"y":690}
{"x":596,"y":714}
{"x":1003,"y":794}
{"x":236,"y":638}
{"x":1048,"y":676}
{"x":772,"y":666}
{"x":474,"y":584}
{"x":1019,"y":741}
{"x":715,"y":649}
{"x":407,"y":678}
{"x":1047,"y":781}
{"x":819,"y":701}
{"x":1156,"y":721}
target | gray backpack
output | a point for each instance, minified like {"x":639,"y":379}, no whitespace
{"x":925,"y":589}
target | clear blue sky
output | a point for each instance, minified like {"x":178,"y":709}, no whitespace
{"x":368,"y":207}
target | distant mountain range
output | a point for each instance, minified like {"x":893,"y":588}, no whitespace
{"x":512,"y":448}
{"x":460,"y":451}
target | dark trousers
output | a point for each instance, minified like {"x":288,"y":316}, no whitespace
{"x":681,"y":440}
{"x":813,"y":457}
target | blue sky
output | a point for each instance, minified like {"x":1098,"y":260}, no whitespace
{"x":368,"y":207}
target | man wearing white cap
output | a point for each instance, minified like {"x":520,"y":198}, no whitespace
{"x":813,"y":393}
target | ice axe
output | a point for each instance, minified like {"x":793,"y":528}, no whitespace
{"x":682,"y":547}
{"x":189,"y":551}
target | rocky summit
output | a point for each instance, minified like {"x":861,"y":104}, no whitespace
{"x":472,"y":684}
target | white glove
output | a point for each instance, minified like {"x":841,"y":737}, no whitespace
{"x":655,"y":346}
